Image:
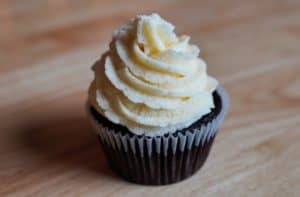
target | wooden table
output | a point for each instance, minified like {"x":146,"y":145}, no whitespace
{"x":46,"y":50}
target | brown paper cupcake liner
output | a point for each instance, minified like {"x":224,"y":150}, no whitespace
{"x":163,"y":159}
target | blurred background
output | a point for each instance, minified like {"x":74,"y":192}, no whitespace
{"x":47,"y":48}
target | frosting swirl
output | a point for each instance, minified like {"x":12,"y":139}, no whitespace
{"x":151,"y":81}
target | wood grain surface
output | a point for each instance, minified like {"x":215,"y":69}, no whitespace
{"x":47,"y":147}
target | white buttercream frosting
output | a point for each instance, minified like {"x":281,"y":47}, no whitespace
{"x":152,"y":81}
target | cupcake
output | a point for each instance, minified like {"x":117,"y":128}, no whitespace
{"x":155,"y":109}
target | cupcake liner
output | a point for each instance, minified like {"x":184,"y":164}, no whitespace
{"x":157,"y":169}
{"x":160,"y":159}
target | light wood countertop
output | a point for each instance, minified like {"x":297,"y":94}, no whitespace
{"x":46,"y":50}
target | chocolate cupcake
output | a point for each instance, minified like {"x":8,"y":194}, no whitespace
{"x":155,"y":109}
